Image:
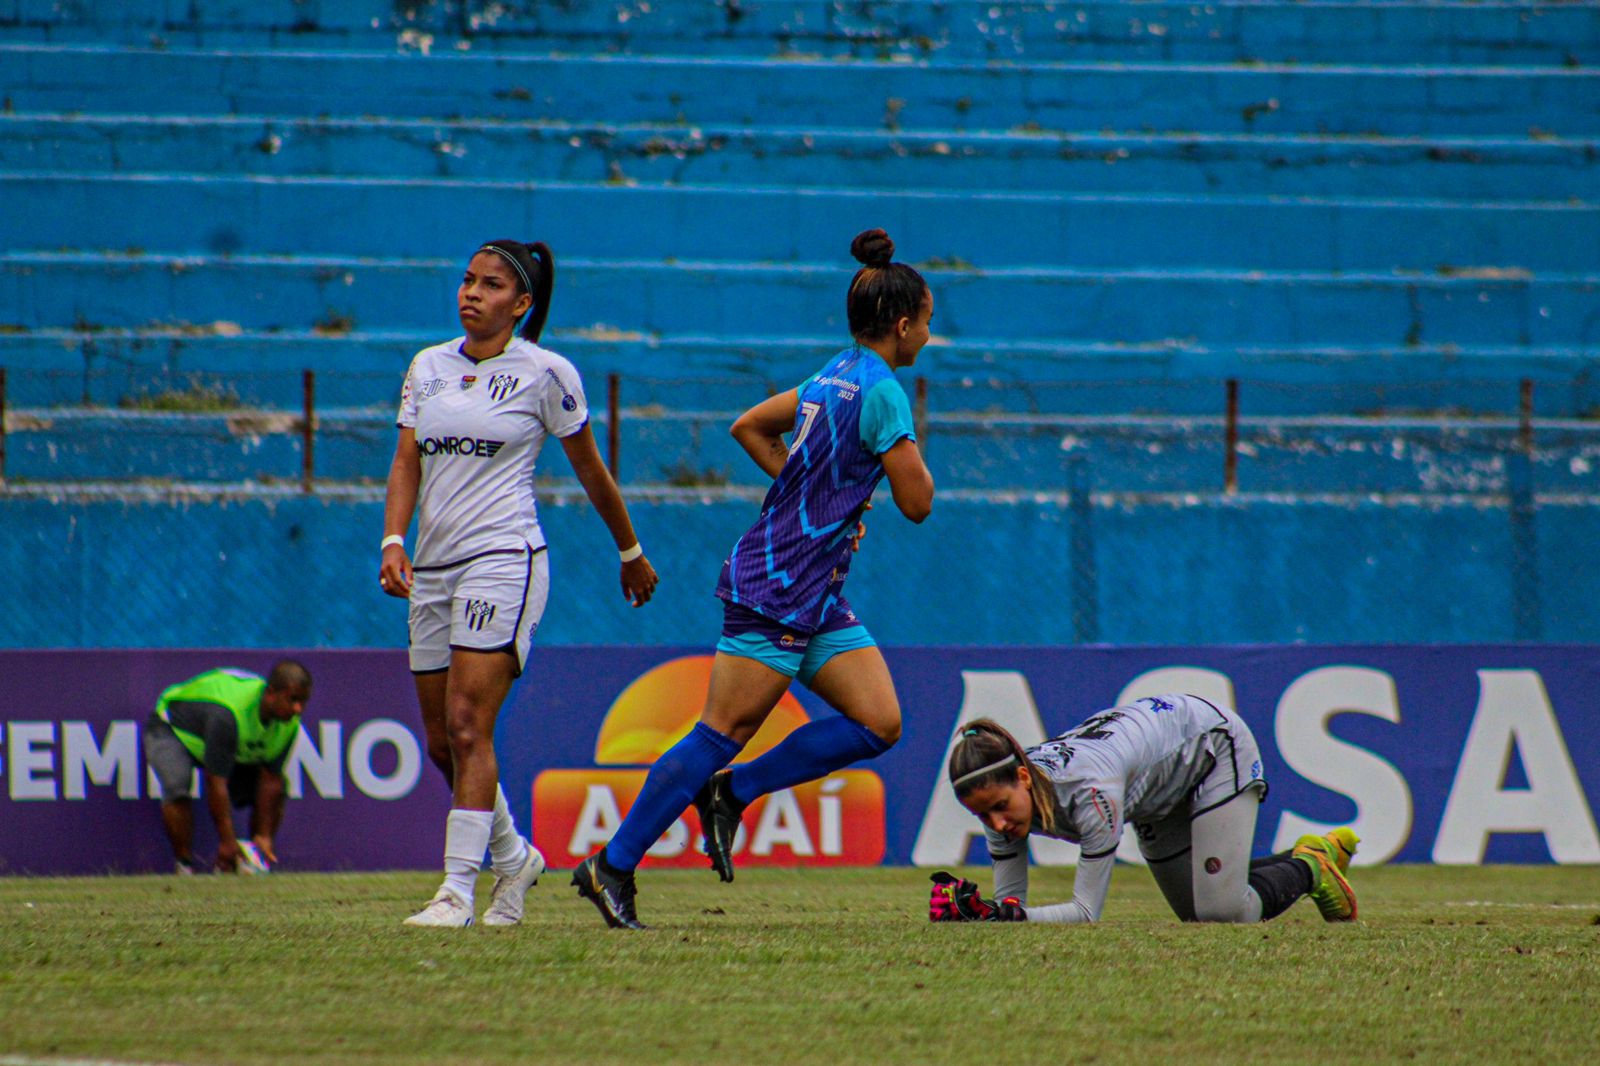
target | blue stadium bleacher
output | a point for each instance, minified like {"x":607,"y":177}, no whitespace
{"x":1357,"y":207}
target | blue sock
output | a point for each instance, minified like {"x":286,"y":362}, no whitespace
{"x":813,"y":751}
{"x":668,"y":791}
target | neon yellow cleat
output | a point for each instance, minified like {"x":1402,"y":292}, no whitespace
{"x":1329,"y":890}
{"x":1344,"y":844}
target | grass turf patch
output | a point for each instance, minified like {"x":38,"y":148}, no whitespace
{"x":841,"y":966}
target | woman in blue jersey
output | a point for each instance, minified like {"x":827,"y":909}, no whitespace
{"x":1184,"y":772}
{"x":784,"y":613}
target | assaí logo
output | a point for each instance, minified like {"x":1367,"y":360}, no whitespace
{"x":838,"y":821}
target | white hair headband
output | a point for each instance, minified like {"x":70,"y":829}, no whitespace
{"x":980,"y":771}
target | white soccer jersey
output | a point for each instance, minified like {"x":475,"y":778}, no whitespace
{"x":479,"y":428}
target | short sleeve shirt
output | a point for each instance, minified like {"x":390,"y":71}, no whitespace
{"x":479,"y":427}
{"x":791,"y":565}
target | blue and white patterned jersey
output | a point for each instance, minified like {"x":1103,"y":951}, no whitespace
{"x":791,"y":565}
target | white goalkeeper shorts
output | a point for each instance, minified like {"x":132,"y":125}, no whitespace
{"x":1235,"y":769}
{"x":491,"y":603}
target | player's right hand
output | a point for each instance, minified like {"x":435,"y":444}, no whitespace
{"x":227,"y":856}
{"x":861,"y":528}
{"x":394,"y":573}
{"x":955,"y":899}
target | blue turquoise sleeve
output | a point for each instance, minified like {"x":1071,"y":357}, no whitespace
{"x":885,"y":417}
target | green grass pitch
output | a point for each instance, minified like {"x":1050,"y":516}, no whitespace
{"x":1491,"y":964}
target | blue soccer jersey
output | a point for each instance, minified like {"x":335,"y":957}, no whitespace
{"x":791,"y":565}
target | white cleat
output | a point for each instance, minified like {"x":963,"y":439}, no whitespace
{"x":505,"y":903}
{"x":446,"y":910}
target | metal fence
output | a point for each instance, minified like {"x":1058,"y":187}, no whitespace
{"x":1193,"y":511}
{"x":329,"y":431}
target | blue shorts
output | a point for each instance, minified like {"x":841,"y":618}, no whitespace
{"x":798,"y":655}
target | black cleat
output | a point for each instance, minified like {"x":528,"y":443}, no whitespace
{"x":719,"y":821}
{"x":610,"y":890}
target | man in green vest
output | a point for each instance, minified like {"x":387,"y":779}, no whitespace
{"x":237,"y":727}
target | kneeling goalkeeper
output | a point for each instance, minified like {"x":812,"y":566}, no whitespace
{"x":1187,"y":775}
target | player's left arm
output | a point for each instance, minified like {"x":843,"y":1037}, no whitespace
{"x":760,"y":430}
{"x":1090,"y":883}
{"x":889,"y":432}
{"x":910,"y":481}
{"x":638,"y":576}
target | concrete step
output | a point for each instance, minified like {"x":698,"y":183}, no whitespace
{"x":1391,"y":32}
{"x":179,"y":214}
{"x":1267,"y":98}
{"x":1461,"y":168}
{"x":110,"y":368}
{"x":1212,"y":308}
{"x":1121,"y":453}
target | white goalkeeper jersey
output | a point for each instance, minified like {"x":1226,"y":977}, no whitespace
{"x":479,"y":428}
{"x":1139,"y":763}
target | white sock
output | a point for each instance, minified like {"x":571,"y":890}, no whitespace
{"x":466,"y":834}
{"x":506,"y":850}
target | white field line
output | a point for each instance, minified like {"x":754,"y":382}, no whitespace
{"x":26,"y":1060}
{"x":1488,"y":903}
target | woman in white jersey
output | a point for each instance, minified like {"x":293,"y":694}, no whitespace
{"x":1183,"y":771}
{"x":474,"y":413}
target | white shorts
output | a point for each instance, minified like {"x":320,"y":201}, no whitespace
{"x":1235,"y":769}
{"x":491,"y":603}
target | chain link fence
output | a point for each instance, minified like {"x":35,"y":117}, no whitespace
{"x":1140,"y":486}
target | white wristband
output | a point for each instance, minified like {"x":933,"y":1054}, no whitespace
{"x":392,"y":538}
{"x":631,"y":554}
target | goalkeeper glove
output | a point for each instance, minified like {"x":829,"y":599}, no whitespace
{"x":955,"y":899}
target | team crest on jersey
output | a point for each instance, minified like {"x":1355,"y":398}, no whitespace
{"x":467,"y":381}
{"x":479,"y":613}
{"x":502,"y":385}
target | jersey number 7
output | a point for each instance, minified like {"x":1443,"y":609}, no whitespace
{"x":809,"y":411}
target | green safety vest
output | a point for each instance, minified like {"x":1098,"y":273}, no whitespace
{"x":240,"y":692}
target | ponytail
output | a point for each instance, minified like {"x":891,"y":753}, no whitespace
{"x":988,"y":755}
{"x":544,"y":283}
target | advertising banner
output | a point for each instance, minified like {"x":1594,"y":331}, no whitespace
{"x":1448,"y":754}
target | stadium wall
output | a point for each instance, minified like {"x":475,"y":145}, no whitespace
{"x":1053,"y":567}
{"x":1446,"y":754}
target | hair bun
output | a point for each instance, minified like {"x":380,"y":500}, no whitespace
{"x":873,"y":248}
